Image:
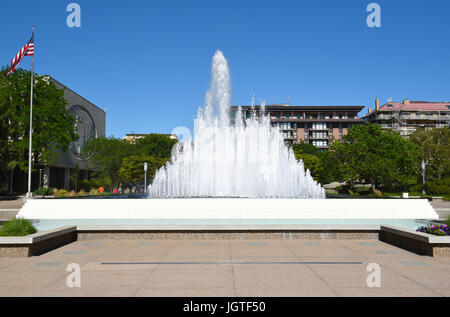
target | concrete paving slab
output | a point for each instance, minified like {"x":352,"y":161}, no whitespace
{"x":222,"y":268}
{"x":216,"y":292}
{"x":385,"y":292}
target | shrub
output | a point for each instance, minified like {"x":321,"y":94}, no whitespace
{"x":438,"y":186}
{"x":82,"y":193}
{"x":363,"y":190}
{"x":416,"y":188}
{"x":17,"y":228}
{"x":438,"y":230}
{"x":44,"y":191}
{"x":93,"y":191}
{"x":85,"y":185}
{"x":377,"y":193}
{"x":60,"y":193}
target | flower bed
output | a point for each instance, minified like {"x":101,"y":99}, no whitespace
{"x":438,"y":230}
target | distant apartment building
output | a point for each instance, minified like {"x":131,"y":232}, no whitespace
{"x":405,"y":117}
{"x":317,"y":125}
{"x":133,"y":137}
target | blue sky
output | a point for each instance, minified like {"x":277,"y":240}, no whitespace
{"x":148,"y":62}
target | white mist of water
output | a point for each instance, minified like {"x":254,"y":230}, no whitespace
{"x":247,"y":158}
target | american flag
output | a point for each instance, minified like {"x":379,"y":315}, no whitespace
{"x":27,"y":50}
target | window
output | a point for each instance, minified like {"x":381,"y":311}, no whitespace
{"x":288,"y":116}
{"x":319,"y":126}
{"x":277,"y":116}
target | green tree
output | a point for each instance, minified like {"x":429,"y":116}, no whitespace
{"x":157,"y":145}
{"x":323,"y":172}
{"x":53,"y":126}
{"x":74,"y":177}
{"x":105,"y":158}
{"x":132,"y":170}
{"x":382,"y":158}
{"x":313,"y":163}
{"x":434,"y":146}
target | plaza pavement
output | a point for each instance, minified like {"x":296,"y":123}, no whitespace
{"x":226,"y":268}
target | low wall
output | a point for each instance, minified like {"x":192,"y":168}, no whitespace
{"x":39,"y":243}
{"x":228,"y":233}
{"x":417,"y":242}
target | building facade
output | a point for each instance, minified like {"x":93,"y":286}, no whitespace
{"x":317,"y":125}
{"x":405,"y":117}
{"x":90,"y":123}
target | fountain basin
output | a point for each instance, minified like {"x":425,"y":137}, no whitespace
{"x":53,"y":213}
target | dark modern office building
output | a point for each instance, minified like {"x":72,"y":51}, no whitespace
{"x":318,"y":125}
{"x":90,"y":123}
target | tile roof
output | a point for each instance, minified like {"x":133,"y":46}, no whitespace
{"x":416,"y":105}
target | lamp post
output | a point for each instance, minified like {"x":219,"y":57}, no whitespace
{"x":145,"y":177}
{"x":40,"y":177}
{"x":423,"y":177}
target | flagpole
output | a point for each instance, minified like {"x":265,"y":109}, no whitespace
{"x":31,"y":124}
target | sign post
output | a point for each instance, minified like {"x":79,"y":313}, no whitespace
{"x":145,"y":177}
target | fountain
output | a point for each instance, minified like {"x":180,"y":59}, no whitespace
{"x":239,"y":158}
{"x":235,"y":171}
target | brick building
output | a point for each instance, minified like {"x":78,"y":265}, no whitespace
{"x":318,"y":125}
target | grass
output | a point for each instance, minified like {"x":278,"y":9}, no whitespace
{"x":448,"y":221}
{"x":17,"y":228}
{"x":410,"y":194}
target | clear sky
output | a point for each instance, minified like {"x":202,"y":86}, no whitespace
{"x":148,"y":62}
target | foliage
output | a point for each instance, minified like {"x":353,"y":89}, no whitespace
{"x":60,"y":193}
{"x":438,"y":186}
{"x":106,"y":155}
{"x":322,"y":172}
{"x":377,"y":193}
{"x":74,"y":177}
{"x":85,"y":185}
{"x":438,"y":230}
{"x":313,"y":163}
{"x":17,"y":228}
{"x":306,"y":148}
{"x":107,"y":158}
{"x":53,"y":126}
{"x":132,"y":170}
{"x":434,"y":146}
{"x":382,"y":158}
{"x":43,"y":191}
{"x":156,"y":145}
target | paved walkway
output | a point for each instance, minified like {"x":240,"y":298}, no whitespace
{"x":226,"y":268}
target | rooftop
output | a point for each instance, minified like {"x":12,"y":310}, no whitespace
{"x":416,"y":106}
{"x":305,"y":107}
